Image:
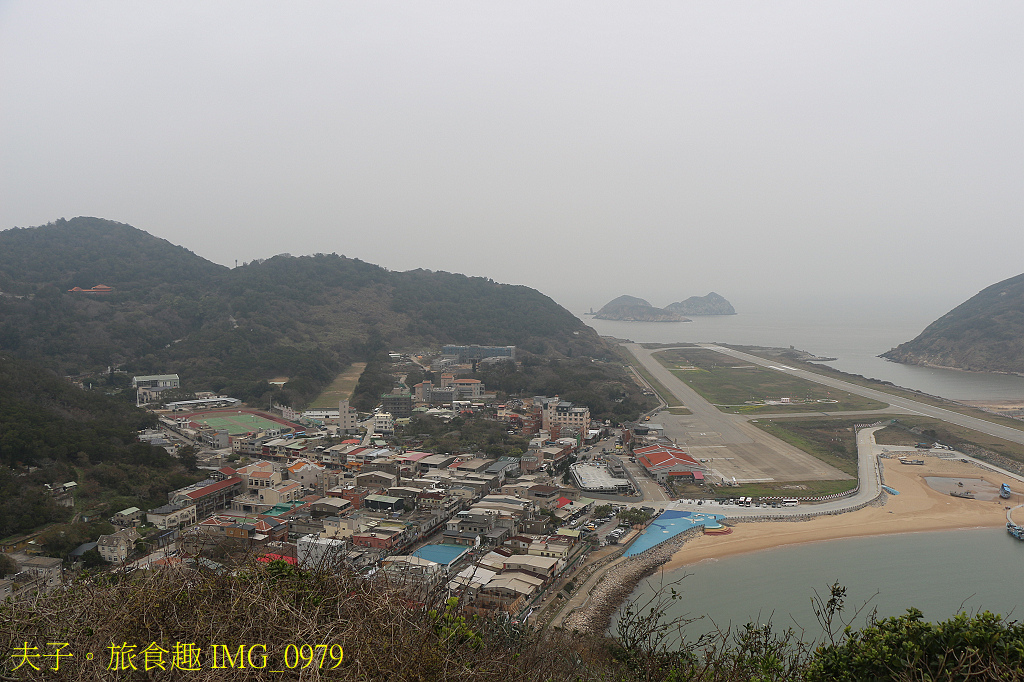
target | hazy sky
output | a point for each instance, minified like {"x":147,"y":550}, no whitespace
{"x":789,"y":149}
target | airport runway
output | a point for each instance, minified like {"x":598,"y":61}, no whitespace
{"x":734,"y":447}
{"x":903,"y":404}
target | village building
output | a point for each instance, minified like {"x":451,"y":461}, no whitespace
{"x":171,"y":516}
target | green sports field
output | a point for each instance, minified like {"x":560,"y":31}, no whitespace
{"x":237,"y":423}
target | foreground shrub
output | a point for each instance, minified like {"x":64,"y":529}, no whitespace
{"x":269,"y":623}
{"x":980,"y":647}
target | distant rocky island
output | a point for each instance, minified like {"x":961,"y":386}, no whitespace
{"x":984,"y":333}
{"x":633,"y":309}
{"x":712,"y":304}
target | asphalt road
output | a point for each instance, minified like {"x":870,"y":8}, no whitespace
{"x":903,"y":404}
{"x":870,"y":487}
{"x":733,"y":447}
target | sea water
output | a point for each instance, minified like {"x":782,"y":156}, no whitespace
{"x":855,"y":337}
{"x":940,"y":573}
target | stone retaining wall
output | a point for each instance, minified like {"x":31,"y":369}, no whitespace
{"x":619,"y":581}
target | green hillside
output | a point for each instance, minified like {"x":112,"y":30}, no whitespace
{"x":231,"y":330}
{"x":52,"y":432}
{"x":985,"y":333}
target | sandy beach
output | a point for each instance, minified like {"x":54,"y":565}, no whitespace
{"x":917,"y":508}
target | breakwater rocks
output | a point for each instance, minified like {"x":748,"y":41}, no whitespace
{"x":619,"y":581}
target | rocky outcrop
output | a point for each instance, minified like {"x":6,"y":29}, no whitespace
{"x":633,"y":309}
{"x":712,"y":304}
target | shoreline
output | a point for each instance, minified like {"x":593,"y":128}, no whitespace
{"x":917,"y":509}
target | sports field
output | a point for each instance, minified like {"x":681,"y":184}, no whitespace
{"x":236,"y":422}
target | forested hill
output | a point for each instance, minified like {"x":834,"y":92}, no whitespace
{"x":231,"y":330}
{"x":84,"y":252}
{"x":985,"y":333}
{"x":52,"y":432}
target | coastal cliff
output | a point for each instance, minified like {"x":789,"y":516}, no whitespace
{"x":984,"y":333}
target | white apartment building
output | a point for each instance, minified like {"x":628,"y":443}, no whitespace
{"x":384,"y":423}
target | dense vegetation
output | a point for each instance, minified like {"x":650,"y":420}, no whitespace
{"x":985,"y":333}
{"x":475,"y":433}
{"x":602,"y":386}
{"x":232,"y":330}
{"x":366,"y":630}
{"x":52,"y":432}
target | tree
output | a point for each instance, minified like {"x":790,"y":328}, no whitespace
{"x":634,"y":516}
{"x":187,"y":456}
{"x":983,"y":646}
{"x":93,"y":558}
{"x":7,"y":565}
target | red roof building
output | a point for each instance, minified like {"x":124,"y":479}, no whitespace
{"x":209,"y":496}
{"x":662,"y":461}
{"x":98,"y":289}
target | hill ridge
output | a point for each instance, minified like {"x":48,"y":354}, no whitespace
{"x":231,"y":329}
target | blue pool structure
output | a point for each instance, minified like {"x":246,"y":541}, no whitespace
{"x":442,"y":554}
{"x":669,"y":524}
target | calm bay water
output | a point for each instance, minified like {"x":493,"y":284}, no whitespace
{"x":855,"y":337}
{"x":940,"y":573}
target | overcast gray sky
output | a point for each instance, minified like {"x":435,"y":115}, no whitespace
{"x":659,"y":149}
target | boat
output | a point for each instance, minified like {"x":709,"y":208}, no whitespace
{"x":1015,"y":530}
{"x":1004,"y":491}
{"x":966,"y":494}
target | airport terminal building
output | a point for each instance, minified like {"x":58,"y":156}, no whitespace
{"x":596,"y":478}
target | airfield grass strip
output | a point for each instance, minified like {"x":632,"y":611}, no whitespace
{"x":887,"y":387}
{"x":667,"y":396}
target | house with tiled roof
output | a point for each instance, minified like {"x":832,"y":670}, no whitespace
{"x":308,"y":473}
{"x":259,"y":474}
{"x":247,"y":530}
{"x":116,"y":547}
